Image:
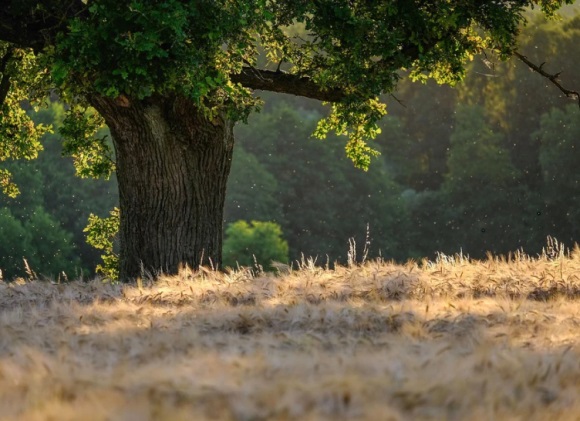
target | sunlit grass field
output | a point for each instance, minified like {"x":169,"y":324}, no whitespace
{"x":452,"y":339}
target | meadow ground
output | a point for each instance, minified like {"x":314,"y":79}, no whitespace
{"x":446,"y":340}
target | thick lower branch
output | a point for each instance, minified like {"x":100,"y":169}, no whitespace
{"x":281,"y":82}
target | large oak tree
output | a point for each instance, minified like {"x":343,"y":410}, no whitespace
{"x":170,"y":78}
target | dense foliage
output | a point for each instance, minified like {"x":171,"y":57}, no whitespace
{"x":44,"y":223}
{"x":351,"y":51}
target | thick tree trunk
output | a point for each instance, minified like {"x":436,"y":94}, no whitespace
{"x":172,"y":168}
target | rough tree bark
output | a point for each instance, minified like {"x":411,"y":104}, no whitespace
{"x":172,"y":168}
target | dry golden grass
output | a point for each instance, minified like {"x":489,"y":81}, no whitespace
{"x":453,"y":340}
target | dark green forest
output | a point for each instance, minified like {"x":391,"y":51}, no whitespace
{"x":489,"y":165}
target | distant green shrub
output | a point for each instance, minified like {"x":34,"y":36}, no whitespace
{"x":260,"y":239}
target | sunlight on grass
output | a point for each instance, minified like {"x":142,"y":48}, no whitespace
{"x":450,"y":339}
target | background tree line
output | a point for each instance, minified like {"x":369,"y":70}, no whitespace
{"x":488,"y":166}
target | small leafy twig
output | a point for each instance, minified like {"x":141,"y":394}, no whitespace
{"x":554,"y":78}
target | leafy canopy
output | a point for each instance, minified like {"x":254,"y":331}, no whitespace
{"x":348,"y":52}
{"x":19,"y":136}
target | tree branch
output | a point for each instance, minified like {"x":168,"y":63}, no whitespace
{"x":5,"y":82}
{"x":554,"y":78}
{"x":281,"y":82}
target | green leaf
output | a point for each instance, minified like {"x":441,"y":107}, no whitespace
{"x":102,"y":234}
